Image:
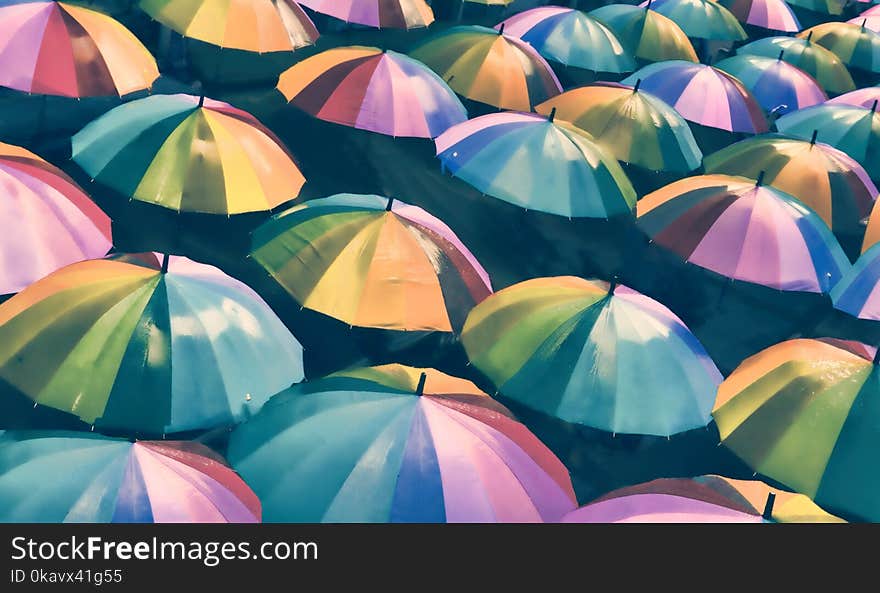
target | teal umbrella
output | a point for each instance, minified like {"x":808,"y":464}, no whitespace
{"x":700,"y":19}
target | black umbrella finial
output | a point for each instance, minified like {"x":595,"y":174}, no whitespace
{"x":420,"y":388}
{"x":874,"y":106}
{"x":781,"y":53}
{"x":389,"y":204}
{"x":612,"y":284}
{"x":165,"y":259}
{"x":768,"y":506}
{"x":501,"y":29}
{"x":809,"y":36}
{"x":637,"y":85}
{"x":863,"y":23}
{"x":198,"y":88}
{"x":760,"y":181}
{"x":813,"y":138}
{"x":552,"y":115}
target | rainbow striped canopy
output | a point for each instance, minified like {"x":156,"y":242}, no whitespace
{"x":774,"y":15}
{"x":745,"y":231}
{"x":858,"y":292}
{"x":372,"y":262}
{"x":855,"y":45}
{"x":646,"y":34}
{"x":55,"y":48}
{"x":384,"y":14}
{"x":777,"y":85}
{"x":831,"y":74}
{"x":188,"y":154}
{"x":372,"y":89}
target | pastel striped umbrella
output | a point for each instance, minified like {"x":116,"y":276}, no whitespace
{"x":645,"y":33}
{"x":55,"y":48}
{"x":394,"y":444}
{"x":188,"y":154}
{"x":489,"y":66}
{"x":371,"y":261}
{"x":595,"y":354}
{"x":69,"y":477}
{"x":634,"y":126}
{"x":864,"y":97}
{"x":135,"y":349}
{"x":571,"y":38}
{"x":371,"y":89}
{"x":657,"y":508}
{"x":778,"y":86}
{"x":773,"y":15}
{"x":804,"y":413}
{"x":700,"y":19}
{"x":855,"y":45}
{"x":744,"y":230}
{"x":49,"y":221}
{"x":250,"y":25}
{"x":383,"y":14}
{"x":858,"y":292}
{"x":703,"y":95}
{"x":827,"y":7}
{"x":828,"y":70}
{"x":537,"y":163}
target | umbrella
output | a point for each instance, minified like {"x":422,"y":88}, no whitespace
{"x":366,"y":88}
{"x":646,"y":34}
{"x":135,"y":349}
{"x":188,"y":154}
{"x":489,"y":66}
{"x":635,"y":126}
{"x":69,"y":477}
{"x":778,"y":86}
{"x":384,"y":14}
{"x":825,"y":7}
{"x":249,"y":25}
{"x":595,"y":354}
{"x":657,"y":508}
{"x":571,"y":38}
{"x":744,"y":230}
{"x":372,"y":262}
{"x":827,"y":180}
{"x":55,"y":48}
{"x":774,"y":15}
{"x":703,"y":95}
{"x":855,"y":45}
{"x":396,"y":444}
{"x":700,"y":19}
{"x":860,"y":97}
{"x":857,"y":292}
{"x":537,"y":163}
{"x":804,"y":413}
{"x":854,"y":130}
{"x":49,"y":221}
{"x":815,"y":60}
{"x":870,"y":21}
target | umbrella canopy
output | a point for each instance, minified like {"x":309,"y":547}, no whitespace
{"x":188,"y":154}
{"x":872,"y":232}
{"x":249,"y":25}
{"x":489,"y":66}
{"x":537,"y":163}
{"x":855,"y":45}
{"x":134,"y":349}
{"x":703,"y":95}
{"x":49,"y":221}
{"x":67,"y":477}
{"x":384,"y":14}
{"x":571,"y":38}
{"x":54,"y":48}
{"x":646,"y":34}
{"x":829,"y":7}
{"x":372,"y":262}
{"x":827,"y":180}
{"x":746,"y":231}
{"x":870,"y":21}
{"x":828,"y":70}
{"x":657,"y":508}
{"x":595,"y":354}
{"x":634,"y":126}
{"x":860,"y":97}
{"x":371,"y":89}
{"x":804,"y":413}
{"x":858,"y":292}
{"x":700,"y":19}
{"x":854,"y":130}
{"x":777,"y":85}
{"x":397,"y":445}
{"x":774,"y":15}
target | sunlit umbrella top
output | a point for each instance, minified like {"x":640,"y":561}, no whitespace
{"x":384,"y":14}
{"x":700,"y":19}
{"x":774,"y":15}
{"x":855,"y":45}
{"x":645,"y":33}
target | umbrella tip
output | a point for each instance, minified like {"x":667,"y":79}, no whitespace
{"x":420,"y":388}
{"x":768,"y":506}
{"x":781,"y":53}
{"x":389,"y":204}
{"x":612,"y":285}
{"x":501,"y":29}
{"x":637,"y":85}
{"x":874,"y":106}
{"x":165,"y":259}
{"x":863,"y":23}
{"x":809,"y":35}
{"x":813,"y":138}
{"x":760,"y":181}
{"x":552,"y":115}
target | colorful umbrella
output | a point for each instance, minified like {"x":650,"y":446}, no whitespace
{"x":397,"y":444}
{"x":131,"y":348}
{"x":54,"y":48}
{"x":700,"y":19}
{"x":366,"y":88}
{"x":588,"y":353}
{"x":703,"y":95}
{"x":857,"y":292}
{"x":646,"y":34}
{"x":744,"y":230}
{"x":634,"y":126}
{"x":188,"y":154}
{"x":860,"y":97}
{"x":68,"y":477}
{"x":657,"y":508}
{"x":829,"y":7}
{"x":804,"y":413}
{"x":384,"y":14}
{"x":488,"y":66}
{"x":249,"y":25}
{"x":855,"y":45}
{"x":774,"y":15}
{"x":831,"y":74}
{"x":571,"y":38}
{"x":372,"y":262}
{"x":537,"y":163}
{"x":49,"y":221}
{"x":778,"y":86}
{"x":827,"y":180}
{"x":853,"y":130}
